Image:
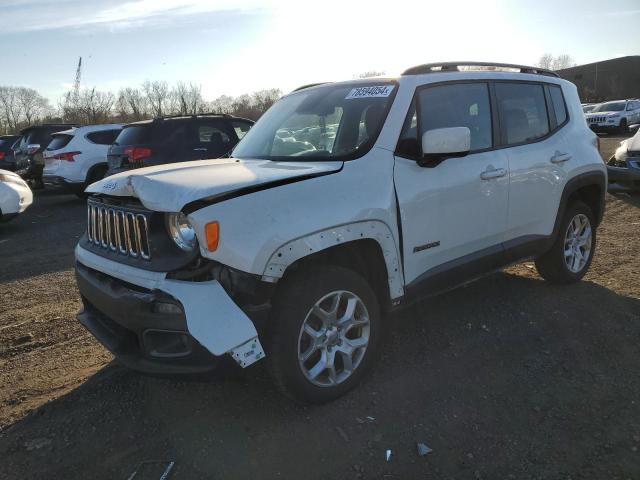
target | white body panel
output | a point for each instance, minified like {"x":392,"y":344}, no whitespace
{"x":14,"y":197}
{"x":91,"y":154}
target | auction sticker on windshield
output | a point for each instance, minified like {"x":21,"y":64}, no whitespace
{"x":370,"y":92}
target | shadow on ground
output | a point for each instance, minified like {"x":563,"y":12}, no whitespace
{"x":508,"y":377}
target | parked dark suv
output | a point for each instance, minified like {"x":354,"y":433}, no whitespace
{"x":28,"y":152}
{"x":7,"y":159}
{"x":175,"y":139}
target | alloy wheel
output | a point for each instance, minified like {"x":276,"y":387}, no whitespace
{"x":333,"y":338}
{"x":578,"y":243}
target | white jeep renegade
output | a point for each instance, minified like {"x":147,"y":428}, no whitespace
{"x":345,"y":201}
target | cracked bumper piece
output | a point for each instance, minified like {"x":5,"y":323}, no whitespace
{"x":158,"y":325}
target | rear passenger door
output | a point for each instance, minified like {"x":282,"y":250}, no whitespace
{"x":532,"y":117}
{"x":213,"y":139}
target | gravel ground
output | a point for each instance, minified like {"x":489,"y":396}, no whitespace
{"x":506,"y":378}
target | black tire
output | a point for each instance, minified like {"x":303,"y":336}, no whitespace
{"x":96,"y":174}
{"x":296,"y":295}
{"x":624,"y":127}
{"x":552,"y":265}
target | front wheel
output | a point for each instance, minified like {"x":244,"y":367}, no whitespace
{"x":325,"y":333}
{"x":624,"y":127}
{"x":570,"y":256}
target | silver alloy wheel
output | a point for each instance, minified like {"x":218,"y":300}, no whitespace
{"x":577,"y":243}
{"x":333,"y":338}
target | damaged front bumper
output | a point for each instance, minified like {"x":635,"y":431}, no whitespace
{"x":625,"y":172}
{"x":160,"y":325}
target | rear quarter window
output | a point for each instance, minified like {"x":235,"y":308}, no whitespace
{"x":103,"y":137}
{"x":59,"y":141}
{"x":241,"y":128}
{"x":557,"y":100}
{"x":135,"y":135}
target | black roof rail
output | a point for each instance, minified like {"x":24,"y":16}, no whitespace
{"x":455,"y":67}
{"x":191,"y":115}
{"x":309,"y":85}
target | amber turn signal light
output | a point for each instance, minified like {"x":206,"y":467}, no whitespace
{"x":212,"y":232}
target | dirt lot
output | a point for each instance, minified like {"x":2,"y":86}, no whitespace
{"x":507,"y":378}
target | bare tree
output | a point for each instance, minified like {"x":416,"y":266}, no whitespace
{"x":11,"y":108}
{"x":546,"y":61}
{"x":559,"y":62}
{"x":187,"y":99}
{"x":157,"y":96}
{"x":33,"y":105}
{"x":370,"y":73}
{"x":131,"y":104}
{"x":563,"y":61}
{"x":222,"y":104}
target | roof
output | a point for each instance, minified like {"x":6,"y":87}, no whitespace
{"x":188,"y":117}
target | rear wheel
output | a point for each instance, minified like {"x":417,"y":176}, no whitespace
{"x":570,"y":256}
{"x":325,"y":333}
{"x":624,"y":127}
{"x":95,"y":175}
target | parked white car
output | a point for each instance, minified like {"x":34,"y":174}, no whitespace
{"x":15,"y":195}
{"x":77,"y":157}
{"x":624,"y":165}
{"x":389,"y":191}
{"x":614,"y":116}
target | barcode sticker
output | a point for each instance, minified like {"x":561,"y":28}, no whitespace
{"x":370,"y":92}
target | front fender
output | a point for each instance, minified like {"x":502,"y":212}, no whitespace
{"x":301,"y":247}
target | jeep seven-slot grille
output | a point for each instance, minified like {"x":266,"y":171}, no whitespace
{"x":118,"y":230}
{"x":597,"y":119}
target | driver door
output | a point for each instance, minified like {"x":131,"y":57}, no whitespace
{"x":453,"y":214}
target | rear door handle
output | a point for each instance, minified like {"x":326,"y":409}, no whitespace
{"x":200,"y":149}
{"x":495,"y":173}
{"x":559,"y":157}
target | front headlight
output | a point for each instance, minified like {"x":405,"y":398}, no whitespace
{"x":12,"y":178}
{"x":181,"y":231}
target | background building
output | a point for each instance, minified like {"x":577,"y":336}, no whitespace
{"x":607,"y":80}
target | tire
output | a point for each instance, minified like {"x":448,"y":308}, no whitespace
{"x":96,"y":174}
{"x":296,"y":297}
{"x":624,"y":127}
{"x":556,"y":267}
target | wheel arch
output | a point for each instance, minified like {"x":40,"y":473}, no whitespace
{"x":92,"y":169}
{"x":366,"y":247}
{"x":589,"y":188}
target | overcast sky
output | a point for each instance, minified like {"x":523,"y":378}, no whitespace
{"x":233,"y":47}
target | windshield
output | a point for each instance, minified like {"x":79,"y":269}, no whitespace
{"x":610,"y":107}
{"x":332,"y":122}
{"x":588,"y":108}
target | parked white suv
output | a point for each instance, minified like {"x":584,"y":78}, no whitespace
{"x":77,"y":157}
{"x":614,"y":116}
{"x":345,"y":201}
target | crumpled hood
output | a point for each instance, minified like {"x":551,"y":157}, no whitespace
{"x":633,"y":143}
{"x":168,"y":188}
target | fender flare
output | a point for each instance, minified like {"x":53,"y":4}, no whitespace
{"x":301,"y":247}
{"x":573,"y":185}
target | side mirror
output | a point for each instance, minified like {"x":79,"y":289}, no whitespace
{"x":453,"y":141}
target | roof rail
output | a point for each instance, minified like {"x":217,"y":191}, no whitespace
{"x":455,"y":67}
{"x":309,"y":85}
{"x":190,"y":115}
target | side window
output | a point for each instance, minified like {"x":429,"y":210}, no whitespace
{"x":457,"y":105}
{"x":557,"y":101}
{"x":103,"y":137}
{"x":523,"y":113}
{"x":211,"y":135}
{"x":241,"y":128}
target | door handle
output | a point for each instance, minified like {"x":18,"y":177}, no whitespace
{"x":560,"y":157}
{"x":200,"y":149}
{"x":495,"y":173}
